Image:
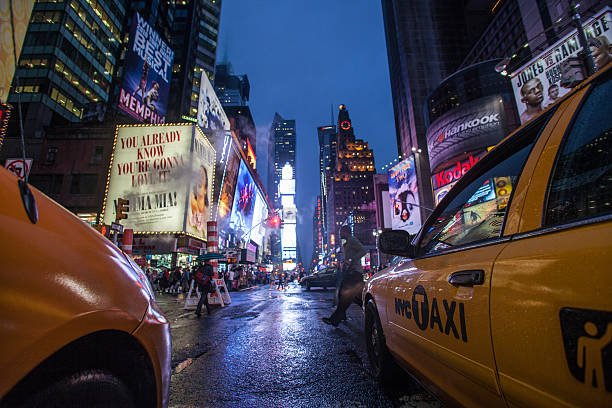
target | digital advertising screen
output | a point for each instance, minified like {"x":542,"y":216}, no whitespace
{"x":146,"y":74}
{"x":260,"y":213}
{"x":241,"y":218}
{"x":404,"y":197}
{"x":168,"y":184}
{"x":232,"y":165}
{"x":469,"y":128}
{"x":537,"y":84}
{"x":210,"y":112}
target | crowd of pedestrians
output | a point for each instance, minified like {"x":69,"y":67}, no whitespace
{"x":177,"y":280}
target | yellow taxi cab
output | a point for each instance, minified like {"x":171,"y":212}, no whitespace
{"x":79,"y":326}
{"x":504,"y":298}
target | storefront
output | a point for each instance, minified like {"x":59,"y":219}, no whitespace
{"x":166,"y":251}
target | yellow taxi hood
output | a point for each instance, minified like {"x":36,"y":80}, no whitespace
{"x":60,"y":280}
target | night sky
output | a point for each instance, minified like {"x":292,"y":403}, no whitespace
{"x":301,"y":58}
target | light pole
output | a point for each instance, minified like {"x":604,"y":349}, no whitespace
{"x":377,"y":233}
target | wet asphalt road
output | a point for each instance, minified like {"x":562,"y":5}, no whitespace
{"x":269,"y":348}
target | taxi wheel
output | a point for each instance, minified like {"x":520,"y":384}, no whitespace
{"x":381,"y":361}
{"x":87,"y":388}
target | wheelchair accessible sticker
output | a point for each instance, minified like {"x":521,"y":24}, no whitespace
{"x":587,"y":337}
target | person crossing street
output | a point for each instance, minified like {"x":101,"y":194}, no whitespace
{"x":352,"y":280}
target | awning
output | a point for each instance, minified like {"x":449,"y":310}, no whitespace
{"x":209,"y":256}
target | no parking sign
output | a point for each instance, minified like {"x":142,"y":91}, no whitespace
{"x":19,"y":167}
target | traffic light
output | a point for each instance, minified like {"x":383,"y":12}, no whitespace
{"x":103,"y":229}
{"x":274,"y":221}
{"x":123,"y":207}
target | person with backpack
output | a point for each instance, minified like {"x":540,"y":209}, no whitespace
{"x":203,"y":278}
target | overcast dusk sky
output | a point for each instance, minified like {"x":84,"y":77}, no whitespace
{"x":302,"y":58}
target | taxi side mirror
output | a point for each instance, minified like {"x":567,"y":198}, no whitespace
{"x":397,"y":242}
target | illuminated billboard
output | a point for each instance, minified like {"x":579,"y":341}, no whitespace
{"x":166,"y":173}
{"x":241,"y":218}
{"x":469,"y":128}
{"x":288,"y":236}
{"x":442,"y":181}
{"x":260,"y":213}
{"x":404,"y":197}
{"x":210,"y":112}
{"x":537,"y":84}
{"x":146,"y":74}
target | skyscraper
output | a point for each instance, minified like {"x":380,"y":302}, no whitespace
{"x":233,"y":93}
{"x":351,"y":186}
{"x":426,"y":42}
{"x":317,"y":232}
{"x":282,"y":149}
{"x":231,"y":89}
{"x":67,"y":63}
{"x":327,"y":159}
{"x":195,"y":33}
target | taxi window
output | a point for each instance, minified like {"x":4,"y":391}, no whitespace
{"x":581,"y":186}
{"x":477,"y":212}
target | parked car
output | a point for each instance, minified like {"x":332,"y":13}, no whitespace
{"x":325,"y":278}
{"x":79,"y":323}
{"x":504,"y":298}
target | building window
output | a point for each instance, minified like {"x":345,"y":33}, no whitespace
{"x":51,"y":155}
{"x":47,"y":183}
{"x":96,"y":157}
{"x":83,"y":184}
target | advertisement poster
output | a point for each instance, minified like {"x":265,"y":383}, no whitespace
{"x":159,"y":170}
{"x":146,"y":74}
{"x":241,"y":219}
{"x":231,"y":164}
{"x":469,"y":128}
{"x":210,"y":112}
{"x":201,"y":188}
{"x":260,"y":213}
{"x":404,"y":197}
{"x":537,"y":84}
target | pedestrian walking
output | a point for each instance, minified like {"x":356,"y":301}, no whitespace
{"x":203,"y":278}
{"x":175,"y":280}
{"x":352,"y":280}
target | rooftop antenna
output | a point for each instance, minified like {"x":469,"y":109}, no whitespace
{"x":331,"y":112}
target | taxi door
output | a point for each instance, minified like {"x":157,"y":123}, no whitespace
{"x":551,"y":293}
{"x":439,"y":315}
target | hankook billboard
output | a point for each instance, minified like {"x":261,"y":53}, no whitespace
{"x":166,"y":173}
{"x":469,"y":128}
{"x":146,"y":74}
{"x":537,"y":84}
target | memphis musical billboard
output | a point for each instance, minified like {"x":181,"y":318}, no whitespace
{"x":147,"y":73}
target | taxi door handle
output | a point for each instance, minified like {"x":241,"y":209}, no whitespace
{"x":467,"y":278}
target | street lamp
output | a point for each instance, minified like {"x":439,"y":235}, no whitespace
{"x":377,"y":234}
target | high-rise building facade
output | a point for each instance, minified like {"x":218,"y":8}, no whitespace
{"x":426,"y":42}
{"x":353,"y":171}
{"x":195,"y":33}
{"x":327,"y":159}
{"x":281,"y":149}
{"x":233,"y":93}
{"x":317,"y":233}
{"x":67,"y":63}
{"x":231,"y":89}
{"x":522,"y":29}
